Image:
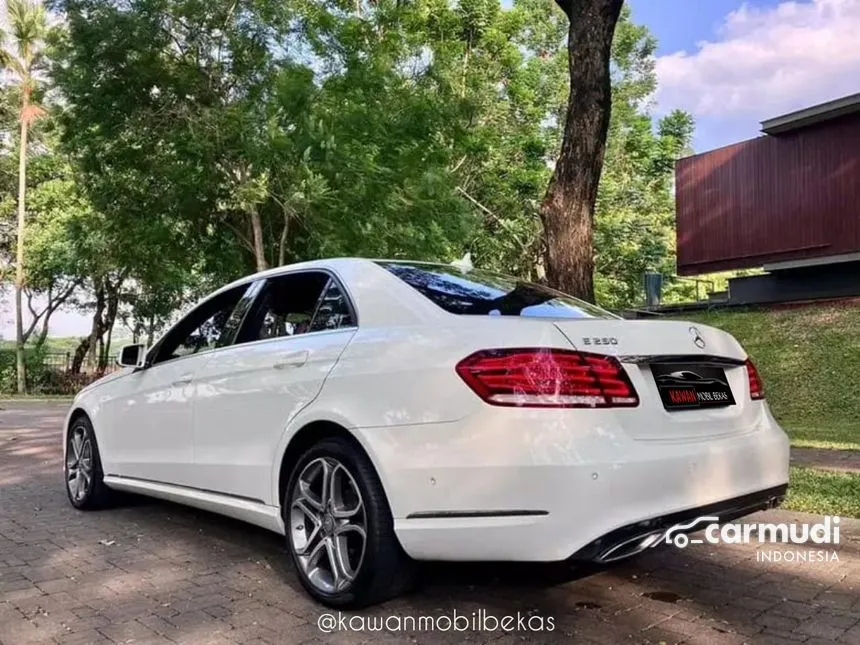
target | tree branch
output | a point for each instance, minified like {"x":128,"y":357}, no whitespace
{"x":35,"y":317}
{"x":283,"y":241}
{"x":459,"y":163}
{"x":242,"y":237}
{"x":495,"y":217}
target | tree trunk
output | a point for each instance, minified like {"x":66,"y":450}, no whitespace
{"x":54,"y":303}
{"x":109,"y":320}
{"x":106,"y":357}
{"x":43,"y":333}
{"x":19,"y":262}
{"x":257,"y":229}
{"x":80,"y":354}
{"x":282,"y":244}
{"x":96,"y":332}
{"x":567,"y":210}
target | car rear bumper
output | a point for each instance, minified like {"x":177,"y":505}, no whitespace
{"x":639,"y":536}
{"x":517,"y":485}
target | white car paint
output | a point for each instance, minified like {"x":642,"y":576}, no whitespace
{"x":210,"y":430}
{"x":243,"y":398}
{"x":151,"y":420}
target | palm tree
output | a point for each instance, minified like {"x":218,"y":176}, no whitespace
{"x":21,"y":57}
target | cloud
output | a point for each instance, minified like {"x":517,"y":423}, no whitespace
{"x":766,"y":62}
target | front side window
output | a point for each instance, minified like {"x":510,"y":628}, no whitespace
{"x":294,"y":304}
{"x":480,"y":293}
{"x":202,"y":329}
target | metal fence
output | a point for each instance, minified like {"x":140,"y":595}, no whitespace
{"x":57,"y":362}
{"x":48,"y":372}
{"x":62,"y":362}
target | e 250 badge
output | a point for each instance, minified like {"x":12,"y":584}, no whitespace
{"x":593,"y":340}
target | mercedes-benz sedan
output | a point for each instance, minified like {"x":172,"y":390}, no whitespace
{"x":379,"y":412}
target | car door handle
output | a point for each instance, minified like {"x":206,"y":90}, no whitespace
{"x":292,"y":359}
{"x":185,"y":379}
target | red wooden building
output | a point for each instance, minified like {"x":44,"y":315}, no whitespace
{"x":788,"y":201}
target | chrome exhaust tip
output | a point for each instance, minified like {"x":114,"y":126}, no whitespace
{"x":631,"y":546}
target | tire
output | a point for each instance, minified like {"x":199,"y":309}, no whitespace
{"x":318,"y":529}
{"x":84,"y":477}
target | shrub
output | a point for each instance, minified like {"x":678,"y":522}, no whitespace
{"x":43,"y":375}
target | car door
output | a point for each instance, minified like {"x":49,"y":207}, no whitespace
{"x":149,"y":417}
{"x":291,"y":339}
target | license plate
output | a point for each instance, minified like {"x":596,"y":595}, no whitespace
{"x":690,"y":386}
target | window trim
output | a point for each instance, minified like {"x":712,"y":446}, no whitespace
{"x":259,"y":283}
{"x":353,"y":312}
{"x":317,"y":306}
{"x":156,"y":348}
{"x":252,"y":343}
{"x":331,"y":278}
{"x":250,"y":296}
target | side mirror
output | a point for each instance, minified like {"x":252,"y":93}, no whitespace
{"x":131,"y":356}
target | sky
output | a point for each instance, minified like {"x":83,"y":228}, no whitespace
{"x":733,"y":64}
{"x":730,"y":63}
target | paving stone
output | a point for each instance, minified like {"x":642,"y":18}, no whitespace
{"x":176,"y":575}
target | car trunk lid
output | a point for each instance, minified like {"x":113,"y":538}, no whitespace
{"x":673,"y":351}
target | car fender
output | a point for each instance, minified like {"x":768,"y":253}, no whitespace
{"x":315,"y":414}
{"x":81,"y":403}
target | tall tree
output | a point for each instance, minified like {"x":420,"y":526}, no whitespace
{"x":634,"y":226}
{"x":51,"y":200}
{"x":518,"y":81}
{"x":21,"y":57}
{"x":568,"y":207}
{"x":269,"y":131}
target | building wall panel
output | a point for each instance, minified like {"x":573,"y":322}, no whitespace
{"x":771,"y":199}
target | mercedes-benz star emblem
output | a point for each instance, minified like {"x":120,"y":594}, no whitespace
{"x":698,"y":341}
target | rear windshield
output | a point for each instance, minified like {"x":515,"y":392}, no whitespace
{"x":478,"y":293}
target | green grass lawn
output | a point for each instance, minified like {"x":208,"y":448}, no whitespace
{"x":823,"y":492}
{"x":809,"y":358}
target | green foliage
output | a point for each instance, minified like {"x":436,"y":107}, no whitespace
{"x":37,"y":375}
{"x":392,"y":129}
{"x":198,"y":140}
{"x":824,"y":493}
{"x":45,"y":373}
{"x":634,"y":221}
{"x":512,"y":148}
{"x":807,"y":357}
{"x":195,"y":130}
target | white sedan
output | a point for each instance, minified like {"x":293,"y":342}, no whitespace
{"x":379,"y":412}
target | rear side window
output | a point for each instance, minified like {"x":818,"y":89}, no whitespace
{"x":294,"y":304}
{"x":479,"y":293}
{"x":333,"y":310}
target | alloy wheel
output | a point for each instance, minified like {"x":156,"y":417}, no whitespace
{"x":79,"y":464}
{"x":328,"y":525}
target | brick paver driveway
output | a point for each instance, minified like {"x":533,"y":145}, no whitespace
{"x":152,"y":572}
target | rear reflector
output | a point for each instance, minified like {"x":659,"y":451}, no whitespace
{"x":756,"y":385}
{"x":537,"y":377}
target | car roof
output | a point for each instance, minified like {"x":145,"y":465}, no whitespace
{"x":329,"y":263}
{"x":355,"y":273}
{"x":334,"y":264}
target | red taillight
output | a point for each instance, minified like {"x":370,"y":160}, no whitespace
{"x":547,"y":378}
{"x":756,"y":386}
